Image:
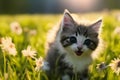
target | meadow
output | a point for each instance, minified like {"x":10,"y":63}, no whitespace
{"x":21,"y":35}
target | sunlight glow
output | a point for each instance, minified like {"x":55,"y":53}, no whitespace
{"x":80,"y":5}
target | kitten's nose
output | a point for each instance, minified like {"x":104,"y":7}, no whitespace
{"x":79,"y":48}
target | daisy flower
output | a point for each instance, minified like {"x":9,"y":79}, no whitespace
{"x":117,"y":30}
{"x":16,"y":28}
{"x":42,"y":65}
{"x":118,"y":17}
{"x":29,"y":52}
{"x":115,"y":65}
{"x":7,"y":46}
{"x":39,"y":63}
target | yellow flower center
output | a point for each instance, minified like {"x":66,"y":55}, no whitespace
{"x":11,"y":46}
{"x":16,"y":28}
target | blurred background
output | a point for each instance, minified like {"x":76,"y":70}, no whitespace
{"x":55,"y":6}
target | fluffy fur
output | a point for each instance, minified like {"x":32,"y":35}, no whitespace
{"x":69,"y":53}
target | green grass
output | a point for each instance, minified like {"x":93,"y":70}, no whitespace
{"x":23,"y":68}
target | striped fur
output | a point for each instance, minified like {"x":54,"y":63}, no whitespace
{"x":69,"y":55}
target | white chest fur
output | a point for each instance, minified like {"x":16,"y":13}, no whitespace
{"x":79,"y":63}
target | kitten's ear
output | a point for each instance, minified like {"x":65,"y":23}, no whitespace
{"x":96,"y":26}
{"x":67,"y":20}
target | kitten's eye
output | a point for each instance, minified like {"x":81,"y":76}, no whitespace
{"x":87,"y":42}
{"x":90,"y":44}
{"x":73,"y":39}
{"x":68,"y":41}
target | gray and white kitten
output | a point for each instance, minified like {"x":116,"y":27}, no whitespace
{"x":69,"y":55}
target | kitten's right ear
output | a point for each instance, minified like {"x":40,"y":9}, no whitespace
{"x":96,"y":26}
{"x":67,"y":20}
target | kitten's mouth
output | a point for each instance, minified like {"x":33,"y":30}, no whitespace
{"x":79,"y":52}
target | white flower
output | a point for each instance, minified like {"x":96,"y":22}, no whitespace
{"x":16,"y":28}
{"x":8,"y":46}
{"x":117,"y":30}
{"x":29,"y":52}
{"x":118,"y":16}
{"x":39,"y":63}
{"x":115,"y":65}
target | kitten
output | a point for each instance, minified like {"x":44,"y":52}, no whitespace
{"x":69,"y":55}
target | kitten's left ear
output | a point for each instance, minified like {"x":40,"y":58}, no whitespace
{"x":96,"y":26}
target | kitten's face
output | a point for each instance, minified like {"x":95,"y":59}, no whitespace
{"x":78,"y":39}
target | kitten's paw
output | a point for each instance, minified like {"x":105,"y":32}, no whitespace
{"x":65,"y":77}
{"x":45,"y":66}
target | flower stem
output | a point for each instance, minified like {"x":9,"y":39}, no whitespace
{"x":4,"y":65}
